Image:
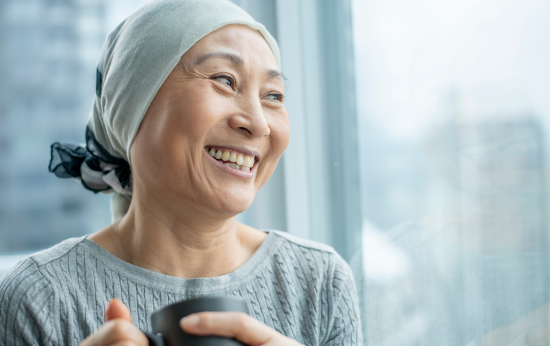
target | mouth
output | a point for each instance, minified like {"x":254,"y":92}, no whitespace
{"x":237,"y":160}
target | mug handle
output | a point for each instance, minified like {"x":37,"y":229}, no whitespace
{"x":154,"y":339}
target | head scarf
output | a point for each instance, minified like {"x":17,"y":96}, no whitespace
{"x":135,"y":60}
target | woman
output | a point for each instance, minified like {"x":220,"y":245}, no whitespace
{"x":190,"y":101}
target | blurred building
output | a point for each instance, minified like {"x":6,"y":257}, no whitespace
{"x":48,"y":54}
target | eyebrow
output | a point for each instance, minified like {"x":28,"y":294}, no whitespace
{"x":237,"y":60}
{"x":234,"y":58}
{"x":276,"y":74}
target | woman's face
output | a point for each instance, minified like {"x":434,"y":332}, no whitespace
{"x":225,"y":97}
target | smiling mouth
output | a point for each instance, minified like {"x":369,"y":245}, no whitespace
{"x":232,"y":158}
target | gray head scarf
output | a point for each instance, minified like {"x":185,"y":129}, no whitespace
{"x":135,"y":60}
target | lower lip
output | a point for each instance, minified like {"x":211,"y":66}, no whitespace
{"x":236,"y":172}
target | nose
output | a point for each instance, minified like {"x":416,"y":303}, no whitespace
{"x":251,"y":119}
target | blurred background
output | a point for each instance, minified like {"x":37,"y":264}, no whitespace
{"x":419,"y":151}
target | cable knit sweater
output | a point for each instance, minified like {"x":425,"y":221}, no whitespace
{"x":302,"y":289}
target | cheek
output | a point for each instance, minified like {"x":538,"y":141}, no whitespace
{"x":193,"y":116}
{"x":172,"y":129}
{"x":187,"y":122}
{"x":279,"y":138}
{"x":280,"y":134}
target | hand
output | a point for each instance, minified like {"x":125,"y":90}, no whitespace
{"x":236,"y":325}
{"x":118,"y":329}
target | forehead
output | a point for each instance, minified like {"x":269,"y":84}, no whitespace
{"x":237,"y":38}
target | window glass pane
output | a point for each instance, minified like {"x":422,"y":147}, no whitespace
{"x":48,"y":56}
{"x":453,"y":112}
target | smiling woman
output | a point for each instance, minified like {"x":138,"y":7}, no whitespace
{"x":220,"y":95}
{"x":188,"y":123}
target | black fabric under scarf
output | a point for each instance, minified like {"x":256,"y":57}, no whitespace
{"x":92,"y":164}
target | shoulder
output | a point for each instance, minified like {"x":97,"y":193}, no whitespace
{"x":30,"y":280}
{"x":328,"y":287}
{"x":30,"y":267}
{"x":319,"y":259}
{"x":28,"y":293}
{"x":20,"y":281}
{"x":24,"y":296}
{"x":312,"y":247}
{"x":55,"y":252}
{"x":304,"y":243}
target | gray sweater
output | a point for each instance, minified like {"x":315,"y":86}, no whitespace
{"x":300,"y":288}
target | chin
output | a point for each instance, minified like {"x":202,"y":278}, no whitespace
{"x":236,"y":203}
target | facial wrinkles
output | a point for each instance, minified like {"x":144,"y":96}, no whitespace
{"x":200,"y":176}
{"x":259,"y":114}
{"x":247,"y":80}
{"x":259,"y":86}
{"x":245,"y":86}
{"x":192,"y":160}
{"x":252,"y":93}
{"x":189,"y":150}
{"x":189,"y":74}
{"x":213,"y":187}
{"x":213,"y":183}
{"x":249,"y":94}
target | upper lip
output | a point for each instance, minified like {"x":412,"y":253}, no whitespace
{"x":244,"y":151}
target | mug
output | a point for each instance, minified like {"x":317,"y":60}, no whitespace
{"x":166,"y":322}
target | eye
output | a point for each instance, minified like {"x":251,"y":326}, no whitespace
{"x":227,"y":80}
{"x":275,"y":97}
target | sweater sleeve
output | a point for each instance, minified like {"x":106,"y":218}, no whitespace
{"x":344,"y":326}
{"x":26,"y":307}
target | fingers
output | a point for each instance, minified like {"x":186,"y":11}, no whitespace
{"x":118,"y":329}
{"x":125,"y":343}
{"x":117,"y":309}
{"x":236,"y":325}
{"x":115,"y":332}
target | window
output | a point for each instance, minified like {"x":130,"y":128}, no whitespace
{"x":48,"y":62}
{"x":419,"y":151}
{"x":453,"y":133}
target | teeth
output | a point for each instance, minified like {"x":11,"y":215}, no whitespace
{"x":234,"y":166}
{"x":225,"y":156}
{"x":236,"y":161}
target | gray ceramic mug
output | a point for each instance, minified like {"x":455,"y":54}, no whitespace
{"x":166,"y":322}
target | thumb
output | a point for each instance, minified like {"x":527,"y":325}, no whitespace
{"x":117,"y":309}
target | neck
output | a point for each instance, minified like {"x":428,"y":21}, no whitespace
{"x":188,"y":244}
